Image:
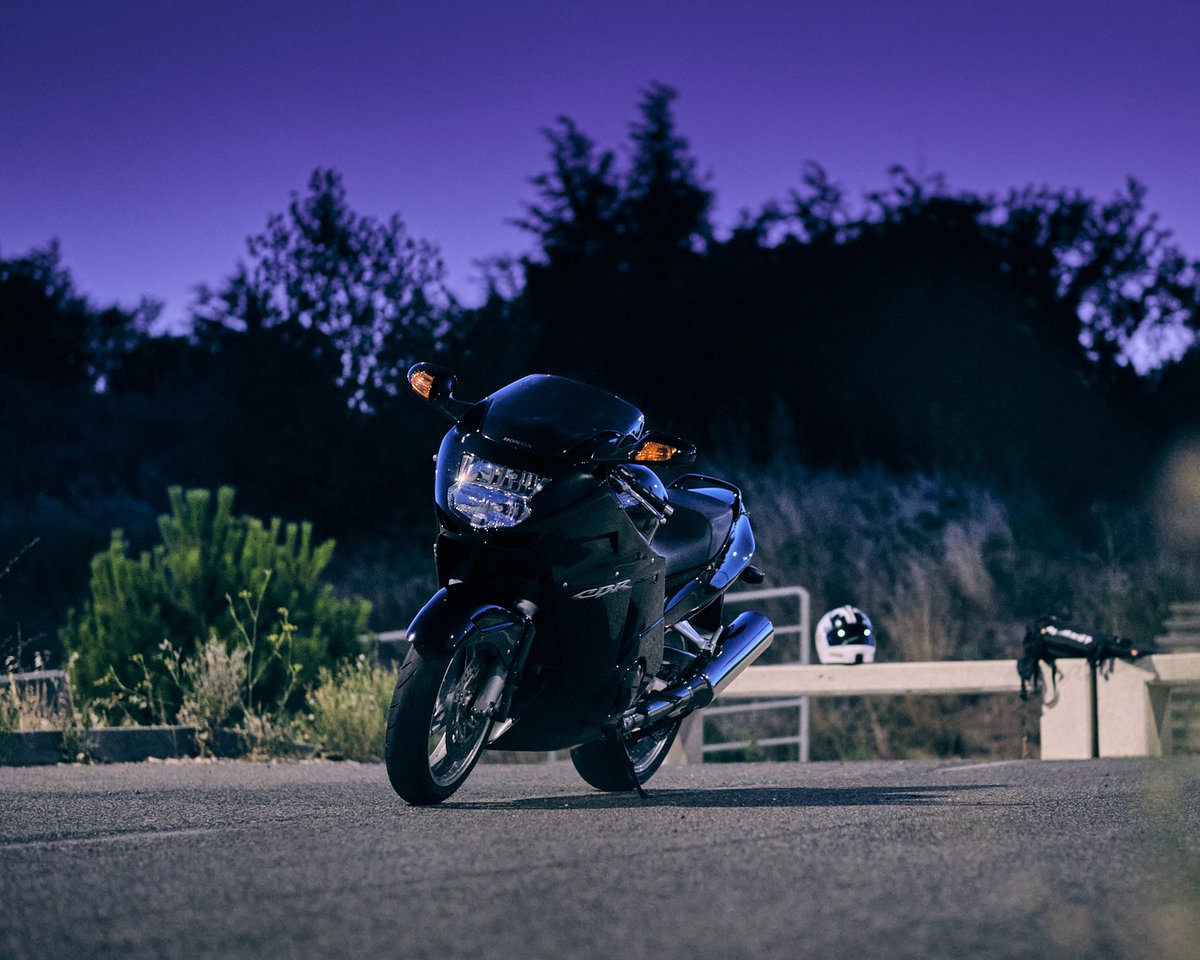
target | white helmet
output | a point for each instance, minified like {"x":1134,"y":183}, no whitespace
{"x":845,"y":635}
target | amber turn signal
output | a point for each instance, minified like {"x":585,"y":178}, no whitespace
{"x":422,"y":382}
{"x":654,"y":452}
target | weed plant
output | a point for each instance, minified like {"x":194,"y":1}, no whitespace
{"x":43,"y":705}
{"x":28,"y":705}
{"x":348,"y":710}
{"x":219,"y":684}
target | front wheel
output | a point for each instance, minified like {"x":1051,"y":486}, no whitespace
{"x":433,"y":737}
{"x":608,"y":764}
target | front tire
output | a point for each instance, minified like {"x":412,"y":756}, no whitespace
{"x":607,"y":764}
{"x":433,"y":738}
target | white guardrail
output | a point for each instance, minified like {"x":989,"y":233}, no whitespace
{"x":1118,"y":710}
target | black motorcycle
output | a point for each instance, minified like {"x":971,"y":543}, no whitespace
{"x":581,"y":599}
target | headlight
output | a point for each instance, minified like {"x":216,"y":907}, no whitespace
{"x":489,"y":496}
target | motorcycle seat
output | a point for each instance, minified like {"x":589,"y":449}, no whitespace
{"x":695,"y":532}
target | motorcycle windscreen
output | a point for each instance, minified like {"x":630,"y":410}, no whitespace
{"x":548,"y":415}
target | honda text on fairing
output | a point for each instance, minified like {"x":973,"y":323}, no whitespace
{"x":580,"y":600}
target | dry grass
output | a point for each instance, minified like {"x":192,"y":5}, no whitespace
{"x":28,"y":706}
{"x":348,"y":710}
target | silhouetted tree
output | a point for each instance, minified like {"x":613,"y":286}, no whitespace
{"x":1101,"y":274}
{"x":665,"y":206}
{"x":578,"y":218}
{"x":338,"y":286}
{"x":49,"y":333}
{"x":70,"y":453}
{"x":919,"y":327}
{"x":1101,"y":278}
{"x":615,"y":246}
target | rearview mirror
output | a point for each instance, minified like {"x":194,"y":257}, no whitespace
{"x":663,"y":449}
{"x":437,"y":384}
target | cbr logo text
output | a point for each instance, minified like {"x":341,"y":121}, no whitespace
{"x":603,"y":591}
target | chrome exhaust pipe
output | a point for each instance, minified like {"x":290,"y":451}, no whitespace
{"x":742,"y":642}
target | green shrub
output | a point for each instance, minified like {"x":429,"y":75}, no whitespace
{"x":214,"y":574}
{"x":348,"y":710}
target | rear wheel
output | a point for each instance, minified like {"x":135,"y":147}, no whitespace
{"x":433,"y":737}
{"x":607,"y":764}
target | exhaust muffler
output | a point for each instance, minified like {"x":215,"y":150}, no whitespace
{"x":742,"y":643}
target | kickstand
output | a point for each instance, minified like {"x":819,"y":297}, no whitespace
{"x":613,"y":736}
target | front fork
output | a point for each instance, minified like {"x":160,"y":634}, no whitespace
{"x":496,"y":695}
{"x":456,"y":616}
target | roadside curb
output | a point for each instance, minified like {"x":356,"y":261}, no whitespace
{"x":133,"y":744}
{"x":117,"y":745}
{"x":31,"y":749}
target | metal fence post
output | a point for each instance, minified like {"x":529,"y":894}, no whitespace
{"x":802,"y":627}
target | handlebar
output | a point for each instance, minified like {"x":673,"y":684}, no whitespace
{"x":657,"y":505}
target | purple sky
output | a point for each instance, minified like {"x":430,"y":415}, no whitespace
{"x":151,"y":138}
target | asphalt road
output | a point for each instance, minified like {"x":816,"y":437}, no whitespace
{"x":903,"y":859}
